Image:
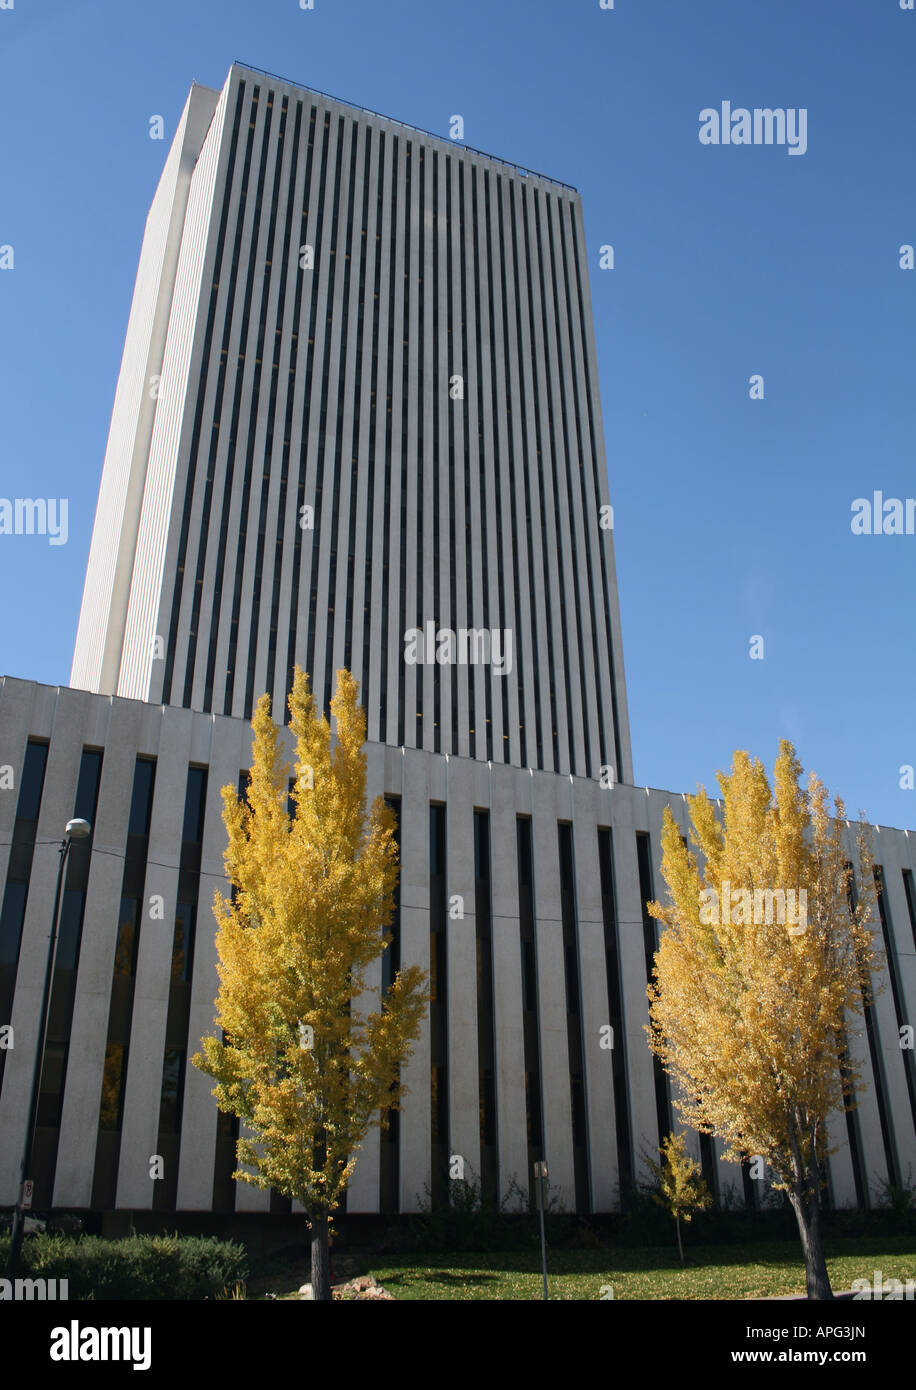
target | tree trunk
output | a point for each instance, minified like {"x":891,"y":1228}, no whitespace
{"x":321,"y":1266}
{"x":321,"y":1273}
{"x":680,"y":1247}
{"x":806,"y":1205}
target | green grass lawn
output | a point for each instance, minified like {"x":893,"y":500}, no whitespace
{"x":719,"y":1271}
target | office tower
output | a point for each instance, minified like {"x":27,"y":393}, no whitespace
{"x":359,"y":396}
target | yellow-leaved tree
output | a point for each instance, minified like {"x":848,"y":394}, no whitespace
{"x":765,"y":959}
{"x":681,"y":1188}
{"x":313,"y":894}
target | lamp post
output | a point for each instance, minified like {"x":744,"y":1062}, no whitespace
{"x":75,"y":830}
{"x":540,"y":1174}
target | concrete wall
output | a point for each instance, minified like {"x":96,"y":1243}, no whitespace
{"x":98,"y":650}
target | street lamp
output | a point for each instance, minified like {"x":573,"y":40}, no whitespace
{"x":75,"y":830}
{"x":540,"y":1176}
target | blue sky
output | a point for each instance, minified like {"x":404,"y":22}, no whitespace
{"x":732,"y":516}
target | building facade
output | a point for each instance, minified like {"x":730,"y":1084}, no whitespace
{"x":357,"y":424}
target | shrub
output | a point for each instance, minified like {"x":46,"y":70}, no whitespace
{"x":897,"y":1204}
{"x":469,"y":1220}
{"x":141,"y":1267}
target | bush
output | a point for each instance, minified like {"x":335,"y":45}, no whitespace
{"x":469,"y":1220}
{"x":142,"y":1267}
{"x":897,"y":1205}
{"x":641,"y":1220}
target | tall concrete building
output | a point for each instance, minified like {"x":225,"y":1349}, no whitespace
{"x":359,"y":395}
{"x":357,"y":424}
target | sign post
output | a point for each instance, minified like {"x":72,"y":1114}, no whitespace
{"x":540,"y":1175}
